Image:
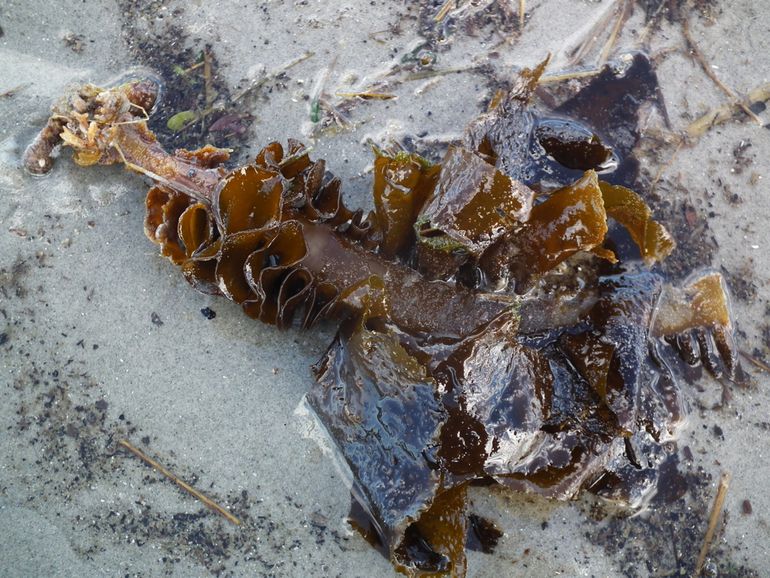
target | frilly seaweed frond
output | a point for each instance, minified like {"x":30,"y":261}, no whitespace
{"x":455,"y":362}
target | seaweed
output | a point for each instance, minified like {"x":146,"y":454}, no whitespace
{"x":456,"y":362}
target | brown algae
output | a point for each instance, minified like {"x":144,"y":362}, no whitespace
{"x":501,"y":318}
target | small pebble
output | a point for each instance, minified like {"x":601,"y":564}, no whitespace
{"x":746,"y":508}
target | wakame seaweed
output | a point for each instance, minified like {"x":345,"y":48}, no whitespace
{"x":489,"y":331}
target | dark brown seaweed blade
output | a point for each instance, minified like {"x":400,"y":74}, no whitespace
{"x":596,"y":128}
{"x":518,"y":415}
{"x":472,"y":207}
{"x":381,"y":408}
{"x":631,"y":404}
{"x":629,"y":209}
{"x":502,"y":136}
{"x":572,"y":145}
{"x":610,"y":102}
{"x":582,"y":408}
{"x":473,"y":204}
{"x":610,"y":105}
{"x":401,"y":186}
{"x":431,"y":385}
{"x":613,"y":355}
{"x":696,"y":320}
{"x":410,"y":452}
{"x":570,"y":220}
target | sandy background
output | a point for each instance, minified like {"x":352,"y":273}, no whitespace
{"x":100,"y":339}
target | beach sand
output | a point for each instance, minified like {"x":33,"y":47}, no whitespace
{"x":104,"y":340}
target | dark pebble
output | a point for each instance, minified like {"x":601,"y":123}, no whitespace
{"x":746,"y":507}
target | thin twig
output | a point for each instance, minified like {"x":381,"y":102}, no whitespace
{"x":374,"y":36}
{"x":722,"y":114}
{"x":208,"y":91}
{"x":185,"y":486}
{"x":195,"y":66}
{"x":432,"y":82}
{"x":662,"y":53}
{"x":554,"y":78}
{"x":754,"y":361}
{"x":699,"y":57}
{"x":593,"y":34}
{"x":443,"y":11}
{"x":522,"y":13}
{"x":651,"y":22}
{"x":610,"y":44}
{"x":716,"y":511}
{"x":422,"y":75}
{"x":366,"y":95}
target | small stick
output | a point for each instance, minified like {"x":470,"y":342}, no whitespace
{"x":208,"y":91}
{"x":443,"y":11}
{"x":366,"y":95}
{"x":610,"y":44}
{"x":716,"y":511}
{"x":422,"y":75}
{"x":754,"y":361}
{"x":651,"y":22}
{"x":553,"y":78}
{"x":185,"y":486}
{"x":585,"y":47}
{"x":183,"y":71}
{"x":427,"y":86}
{"x":522,"y":13}
{"x":700,"y":126}
{"x":373,"y":36}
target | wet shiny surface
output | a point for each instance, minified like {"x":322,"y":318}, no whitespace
{"x":227,"y":416}
{"x":433,"y":384}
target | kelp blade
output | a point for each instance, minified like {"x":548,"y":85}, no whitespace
{"x":629,"y":209}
